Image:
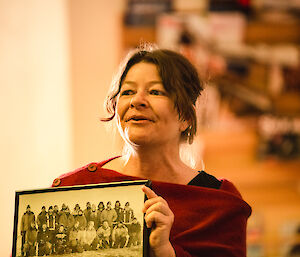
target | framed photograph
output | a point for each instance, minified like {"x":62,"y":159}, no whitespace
{"x":84,"y":221}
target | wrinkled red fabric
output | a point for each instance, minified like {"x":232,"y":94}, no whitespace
{"x":208,"y":222}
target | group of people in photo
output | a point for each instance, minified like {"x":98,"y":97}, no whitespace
{"x":60,"y":231}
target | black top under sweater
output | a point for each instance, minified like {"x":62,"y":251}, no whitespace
{"x":205,"y":180}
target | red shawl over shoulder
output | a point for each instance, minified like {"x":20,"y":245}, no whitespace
{"x":208,"y":222}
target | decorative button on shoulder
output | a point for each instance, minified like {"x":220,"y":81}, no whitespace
{"x":92,"y":167}
{"x":56,"y":182}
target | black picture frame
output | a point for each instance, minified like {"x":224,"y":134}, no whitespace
{"x":38,"y":199}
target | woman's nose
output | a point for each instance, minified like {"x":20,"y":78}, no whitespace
{"x":139,"y":100}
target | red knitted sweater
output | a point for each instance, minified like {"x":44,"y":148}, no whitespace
{"x":208,"y":222}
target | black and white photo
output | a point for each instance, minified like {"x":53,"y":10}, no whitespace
{"x":94,"y":220}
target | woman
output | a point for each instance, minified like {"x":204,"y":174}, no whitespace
{"x":190,"y":213}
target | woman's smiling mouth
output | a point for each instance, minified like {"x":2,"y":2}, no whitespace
{"x":139,"y":119}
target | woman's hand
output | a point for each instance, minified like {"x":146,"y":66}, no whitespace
{"x":160,"y":218}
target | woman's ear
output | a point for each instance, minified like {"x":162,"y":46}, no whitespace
{"x":184,"y":125}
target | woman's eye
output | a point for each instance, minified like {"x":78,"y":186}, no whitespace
{"x":156,"y":92}
{"x":127,"y":92}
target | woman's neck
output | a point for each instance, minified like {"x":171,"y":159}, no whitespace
{"x":158,"y":163}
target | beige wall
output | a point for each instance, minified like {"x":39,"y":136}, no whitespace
{"x":95,"y":54}
{"x":34,"y":100}
{"x":57,"y":58}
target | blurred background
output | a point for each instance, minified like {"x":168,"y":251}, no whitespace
{"x":57,"y":58}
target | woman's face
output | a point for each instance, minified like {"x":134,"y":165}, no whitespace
{"x":145,"y":110}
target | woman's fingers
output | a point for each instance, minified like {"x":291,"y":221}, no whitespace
{"x":158,"y":206}
{"x":157,"y":210}
{"x":159,"y":219}
{"x":152,"y":198}
{"x":157,"y":200}
{"x":149,"y":193}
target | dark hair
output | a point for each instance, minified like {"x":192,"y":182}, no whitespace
{"x":179,"y":77}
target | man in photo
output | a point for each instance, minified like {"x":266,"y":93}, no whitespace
{"x":31,"y":240}
{"x":74,"y":242}
{"x":27,"y":218}
{"x":120,"y":236}
{"x":134,"y":230}
{"x":61,"y":240}
{"x":109,"y":214}
{"x":42,"y":218}
{"x":81,"y":219}
{"x":91,"y":241}
{"x":66,"y":219}
{"x":104,"y":235}
{"x":43,"y":241}
{"x":51,"y":223}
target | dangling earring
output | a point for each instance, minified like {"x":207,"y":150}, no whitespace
{"x":189,"y":136}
